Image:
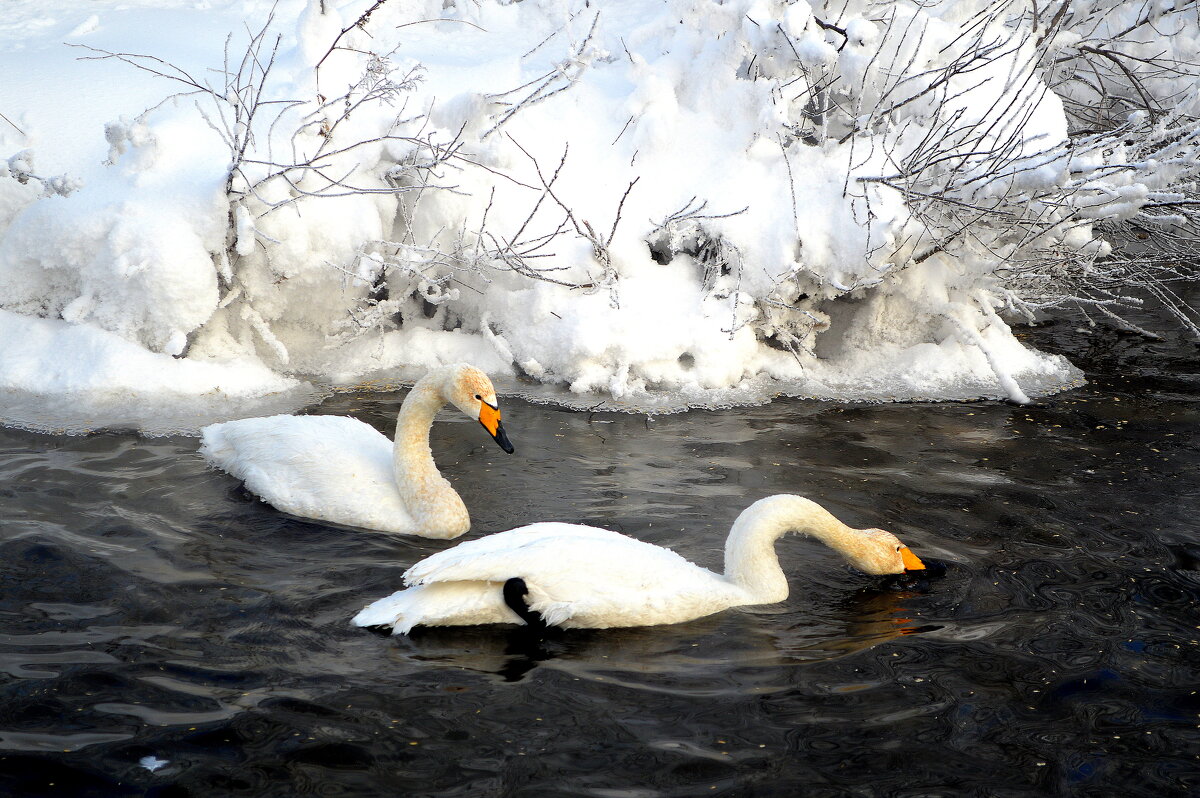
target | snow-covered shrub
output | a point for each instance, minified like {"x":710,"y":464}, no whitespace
{"x":774,"y":173}
{"x":680,"y":202}
{"x":1128,"y":75}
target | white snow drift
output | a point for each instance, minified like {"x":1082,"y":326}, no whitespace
{"x":669,"y":204}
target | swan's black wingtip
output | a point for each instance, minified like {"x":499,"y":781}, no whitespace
{"x":514,"y":593}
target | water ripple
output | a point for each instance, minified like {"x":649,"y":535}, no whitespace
{"x":151,"y":611}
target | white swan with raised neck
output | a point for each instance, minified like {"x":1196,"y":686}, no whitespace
{"x":340,"y":469}
{"x":575,"y":576}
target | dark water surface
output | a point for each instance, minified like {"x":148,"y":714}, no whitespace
{"x":161,"y":633}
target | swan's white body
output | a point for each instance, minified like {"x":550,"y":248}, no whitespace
{"x":585,"y":577}
{"x":339,"y":469}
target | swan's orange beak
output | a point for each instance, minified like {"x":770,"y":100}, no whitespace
{"x":911,"y":561}
{"x":489,"y":417}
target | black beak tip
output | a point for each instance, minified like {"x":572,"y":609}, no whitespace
{"x":934,"y":569}
{"x":502,"y":438}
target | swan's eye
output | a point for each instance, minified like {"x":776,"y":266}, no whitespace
{"x":477,"y":396}
{"x":899,"y":547}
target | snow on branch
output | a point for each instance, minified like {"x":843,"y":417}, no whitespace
{"x":561,"y":77}
{"x":783,"y":180}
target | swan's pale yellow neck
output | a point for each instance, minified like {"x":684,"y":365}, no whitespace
{"x":750,"y":559}
{"x":428,"y":496}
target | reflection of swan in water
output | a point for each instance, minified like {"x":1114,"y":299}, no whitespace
{"x":871,"y":617}
{"x":336,"y":468}
{"x":685,"y":659}
{"x":583,"y":577}
{"x":637,"y":656}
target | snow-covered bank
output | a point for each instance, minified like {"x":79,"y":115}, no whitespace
{"x":72,"y":378}
{"x":655,"y":204}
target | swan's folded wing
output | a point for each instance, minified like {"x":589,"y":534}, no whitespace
{"x":565,"y":564}
{"x":328,"y":467}
{"x":537,"y":548}
{"x":630,"y":585}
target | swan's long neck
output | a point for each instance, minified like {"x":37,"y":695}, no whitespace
{"x":427,"y":495}
{"x":750,"y":560}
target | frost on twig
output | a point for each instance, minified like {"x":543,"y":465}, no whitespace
{"x":562,"y":76}
{"x":19,"y":167}
{"x":406,"y":282}
{"x":690,"y":231}
{"x":1049,"y":223}
{"x":518,"y":254}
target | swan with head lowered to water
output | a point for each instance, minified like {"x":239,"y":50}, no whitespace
{"x":574,"y":576}
{"x":339,"y":469}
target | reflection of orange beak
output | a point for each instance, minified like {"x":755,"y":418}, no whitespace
{"x":489,"y":417}
{"x":911,"y":561}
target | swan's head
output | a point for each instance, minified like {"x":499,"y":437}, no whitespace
{"x":881,"y":553}
{"x":470,"y":390}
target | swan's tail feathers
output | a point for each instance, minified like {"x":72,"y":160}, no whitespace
{"x":439,"y":604}
{"x":387,"y":612}
{"x":214,"y":447}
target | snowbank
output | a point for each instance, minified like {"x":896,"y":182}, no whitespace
{"x":70,"y":378}
{"x":659,"y":205}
